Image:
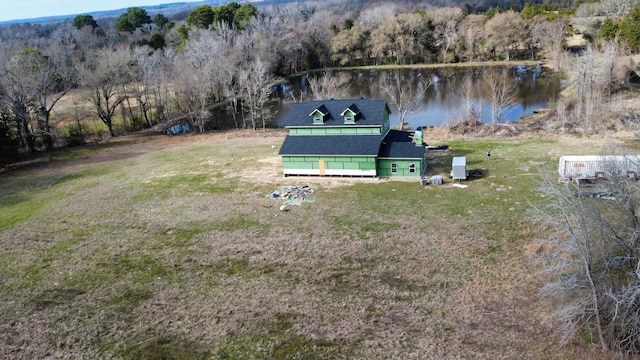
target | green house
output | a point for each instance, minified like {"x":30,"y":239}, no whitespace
{"x":348,"y":138}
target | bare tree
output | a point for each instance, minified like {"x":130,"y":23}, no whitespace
{"x":104,"y":74}
{"x":56,"y":76}
{"x":405,"y":93}
{"x":589,"y":10}
{"x":329,"y":86}
{"x":348,"y":45}
{"x":32,"y":83}
{"x":472,"y":32}
{"x":609,"y":55}
{"x":446,"y":32}
{"x":505,"y":32}
{"x":593,"y":258}
{"x":501,"y":92}
{"x":159,"y":71}
{"x":401,"y":37}
{"x":258,"y":87}
{"x":203,"y":66}
{"x":616,"y":9}
{"x":193,"y":94}
{"x":281,"y":32}
{"x":468,"y":93}
{"x":145,"y":63}
{"x":583,"y":77}
{"x":371,"y":17}
{"x":16,"y":98}
{"x":550,"y":36}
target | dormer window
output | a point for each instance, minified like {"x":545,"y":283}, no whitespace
{"x":349,"y":114}
{"x":318,"y":115}
{"x":349,"y":118}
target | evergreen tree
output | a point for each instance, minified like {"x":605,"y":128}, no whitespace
{"x":134,"y":18}
{"x":630,"y":29}
{"x":243,"y":15}
{"x":160,"y":20}
{"x":608,"y":29}
{"x":201,"y":17}
{"x":81,"y":21}
{"x":9,"y":142}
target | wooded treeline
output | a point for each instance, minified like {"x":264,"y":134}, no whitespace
{"x":137,"y":71}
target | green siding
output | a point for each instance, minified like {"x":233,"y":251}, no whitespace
{"x":347,"y":130}
{"x":331,"y":162}
{"x":385,"y":122}
{"x":368,"y":166}
{"x":384,"y":167}
{"x":381,"y":166}
{"x":301,"y":131}
{"x":297,"y":165}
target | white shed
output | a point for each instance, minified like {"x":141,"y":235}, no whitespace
{"x":459,"y":168}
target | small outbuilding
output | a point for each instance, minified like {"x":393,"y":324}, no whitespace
{"x":459,"y":168}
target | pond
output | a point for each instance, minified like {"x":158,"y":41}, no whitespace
{"x":442,"y":102}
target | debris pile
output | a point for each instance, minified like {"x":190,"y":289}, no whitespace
{"x":292,"y":195}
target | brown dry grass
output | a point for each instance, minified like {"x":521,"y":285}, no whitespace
{"x":158,"y":247}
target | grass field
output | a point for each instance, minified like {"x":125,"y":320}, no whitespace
{"x":169,"y":248}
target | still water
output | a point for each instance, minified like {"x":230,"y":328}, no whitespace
{"x":442,"y":103}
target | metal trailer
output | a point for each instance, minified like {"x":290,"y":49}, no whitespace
{"x":459,"y":168}
{"x":595,"y":166}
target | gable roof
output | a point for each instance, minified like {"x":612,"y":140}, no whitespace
{"x":321,"y":109}
{"x":353,"y":108}
{"x":371,"y":112}
{"x":354,"y":145}
{"x":399,"y":145}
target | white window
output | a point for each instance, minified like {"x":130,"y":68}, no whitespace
{"x":394,"y":167}
{"x":412,"y":168}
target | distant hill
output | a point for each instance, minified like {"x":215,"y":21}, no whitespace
{"x":181,"y":8}
{"x":165,"y":9}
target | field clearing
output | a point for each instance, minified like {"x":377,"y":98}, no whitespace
{"x":169,"y":248}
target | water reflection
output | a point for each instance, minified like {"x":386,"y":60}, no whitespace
{"x":443,"y":102}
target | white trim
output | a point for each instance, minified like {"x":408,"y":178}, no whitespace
{"x":330,"y":172}
{"x":349,"y":110}
{"x":317,"y":110}
{"x":331,"y":126}
{"x":397,"y":158}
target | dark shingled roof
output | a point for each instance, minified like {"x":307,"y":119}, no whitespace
{"x":323,"y":110}
{"x":331,"y":145}
{"x":354,"y":109}
{"x":398,"y":145}
{"x":371,"y":112}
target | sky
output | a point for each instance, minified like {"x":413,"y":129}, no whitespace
{"x":29,"y":9}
